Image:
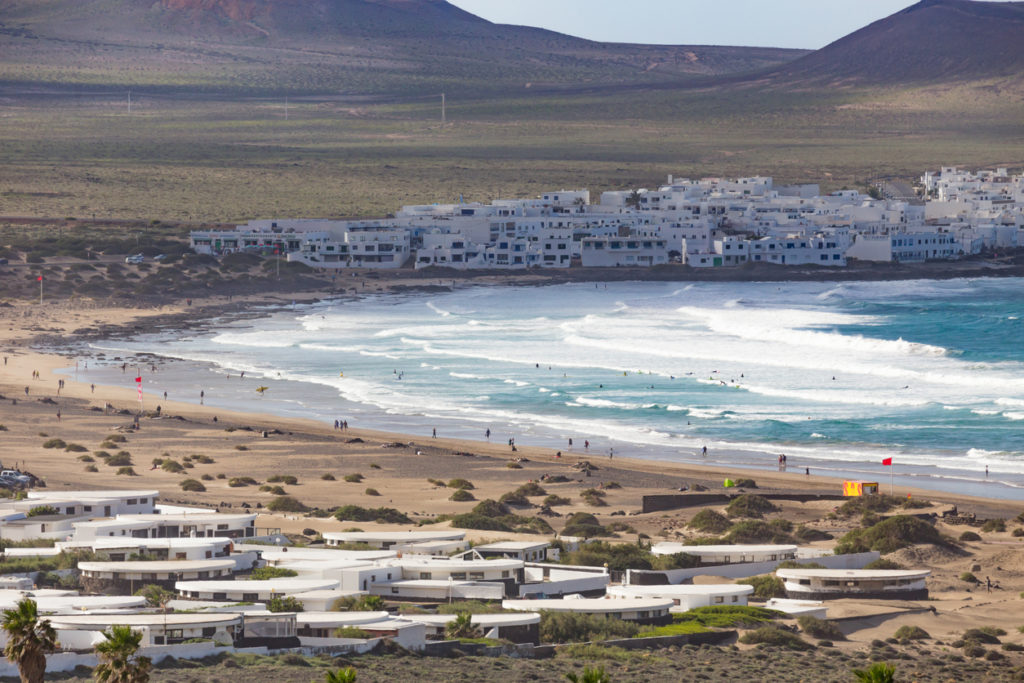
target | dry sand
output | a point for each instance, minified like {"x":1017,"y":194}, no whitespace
{"x":398,"y":467}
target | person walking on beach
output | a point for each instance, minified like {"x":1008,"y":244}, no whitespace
{"x":487,"y":434}
{"x":165,"y":395}
{"x":434,"y":434}
{"x":704,"y":451}
{"x":202,"y":394}
{"x":611,"y":453}
{"x":26,"y":391}
{"x":586,"y":444}
{"x":570,"y":444}
{"x":92,"y":388}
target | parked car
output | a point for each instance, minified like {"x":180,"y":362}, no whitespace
{"x":15,"y":475}
{"x":160,"y":257}
{"x":134,"y":258}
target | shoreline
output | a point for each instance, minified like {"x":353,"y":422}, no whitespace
{"x":110,"y":323}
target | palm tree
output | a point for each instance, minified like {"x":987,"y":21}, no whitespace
{"x":346,"y":675}
{"x":879,"y":672}
{"x":462,"y":627}
{"x":119,"y":662}
{"x":28,"y":640}
{"x":595,"y":675}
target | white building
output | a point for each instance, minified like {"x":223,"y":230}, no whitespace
{"x":688,"y":596}
{"x":830,"y":584}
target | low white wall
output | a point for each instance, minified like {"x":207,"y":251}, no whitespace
{"x":748,"y":569}
{"x":577,"y":584}
{"x":67,"y":661}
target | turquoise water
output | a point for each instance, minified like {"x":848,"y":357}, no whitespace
{"x":834,"y":375}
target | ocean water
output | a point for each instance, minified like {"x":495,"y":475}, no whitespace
{"x":835,"y":375}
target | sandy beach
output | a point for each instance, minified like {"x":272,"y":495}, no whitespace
{"x":398,"y":467}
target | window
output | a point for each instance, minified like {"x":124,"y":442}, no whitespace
{"x":719,"y":599}
{"x":505,"y":574}
{"x":133,"y":501}
{"x":735,"y":598}
{"x":458,"y":576}
{"x":425,"y":575}
{"x":394,"y":590}
{"x":476,"y":576}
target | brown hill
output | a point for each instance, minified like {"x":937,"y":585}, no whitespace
{"x":352,"y":46}
{"x":932,"y":41}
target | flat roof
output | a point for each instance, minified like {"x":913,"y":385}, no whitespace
{"x":339,"y":618}
{"x":152,"y":566}
{"x":505,"y":619}
{"x":595,"y":605}
{"x":670,"y":590}
{"x":457,"y":564}
{"x":284,"y":586}
{"x":276,"y":554}
{"x":101,"y":621}
{"x":668,"y":547}
{"x":512,"y":545}
{"x":367,"y":536}
{"x":852,"y":573}
{"x":133,"y":542}
{"x":93,"y":495}
{"x":437,"y":583}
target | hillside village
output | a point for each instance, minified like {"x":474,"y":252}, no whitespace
{"x":707,"y":223}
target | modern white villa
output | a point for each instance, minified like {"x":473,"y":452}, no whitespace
{"x":687,"y":596}
{"x":832,"y":584}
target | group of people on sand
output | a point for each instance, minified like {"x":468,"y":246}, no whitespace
{"x":341,"y":424}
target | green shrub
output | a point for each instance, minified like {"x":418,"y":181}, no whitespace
{"x":238,"y":482}
{"x":569,"y":627}
{"x":553,"y":500}
{"x":283,"y":479}
{"x":121,"y":459}
{"x":766,"y":586}
{"x":327,"y":477}
{"x":286,"y":504}
{"x":529,"y":489}
{"x":749,"y":505}
{"x":275,"y":490}
{"x":756,"y":531}
{"x":584,"y":525}
{"x":126,"y":471}
{"x":284,"y":604}
{"x":820,"y":628}
{"x":101,"y":454}
{"x":75,"y":448}
{"x":676,"y":629}
{"x":994,"y":525}
{"x":514,"y":498}
{"x":42,"y":510}
{"x":241,"y":447}
{"x":969,"y":577}
{"x":116,"y":438}
{"x":882,"y":563}
{"x":372,"y":492}
{"x":745,"y":483}
{"x":985,"y":635}
{"x":54,"y":443}
{"x":770,"y":635}
{"x":202,"y":459}
{"x":156,"y":596}
{"x":460,"y":484}
{"x":793,"y":564}
{"x":86,"y":458}
{"x":207,"y":477}
{"x":807,"y":534}
{"x":470,"y":606}
{"x":264,"y":573}
{"x":461,"y":496}
{"x":710,"y":522}
{"x":878,"y":672}
{"x":374,"y":466}
{"x":360,"y":603}
{"x":192,"y":485}
{"x":354,"y":513}
{"x":594,"y":498}
{"x":172,"y":466}
{"x":729,"y":616}
{"x":513,"y":465}
{"x":352,"y":632}
{"x":354,"y":478}
{"x":91,"y":468}
{"x":889,"y":535}
{"x":969,"y":536}
{"x":911,"y":633}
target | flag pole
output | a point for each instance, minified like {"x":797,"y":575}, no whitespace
{"x":891,"y":468}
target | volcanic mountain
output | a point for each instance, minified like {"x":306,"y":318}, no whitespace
{"x":350,"y":46}
{"x":930,"y":42}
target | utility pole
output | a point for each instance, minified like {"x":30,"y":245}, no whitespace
{"x":443,"y":117}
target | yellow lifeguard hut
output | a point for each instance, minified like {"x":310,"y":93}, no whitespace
{"x":860,"y":488}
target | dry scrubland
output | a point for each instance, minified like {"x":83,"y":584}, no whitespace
{"x":195,"y":158}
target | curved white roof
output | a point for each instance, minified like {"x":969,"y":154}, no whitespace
{"x":486,"y":620}
{"x":852,"y":573}
{"x":393,"y":536}
{"x":680,"y":589}
{"x":157,"y":566}
{"x":132,"y":542}
{"x":283,"y":586}
{"x":92,"y":622}
{"x":92,"y":495}
{"x":328,"y":619}
{"x":272,"y":554}
{"x":670,"y":548}
{"x":459,"y":565}
{"x":589,"y":605}
{"x":75,"y":603}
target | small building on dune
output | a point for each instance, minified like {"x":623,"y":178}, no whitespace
{"x":687,"y":596}
{"x":833,"y":584}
